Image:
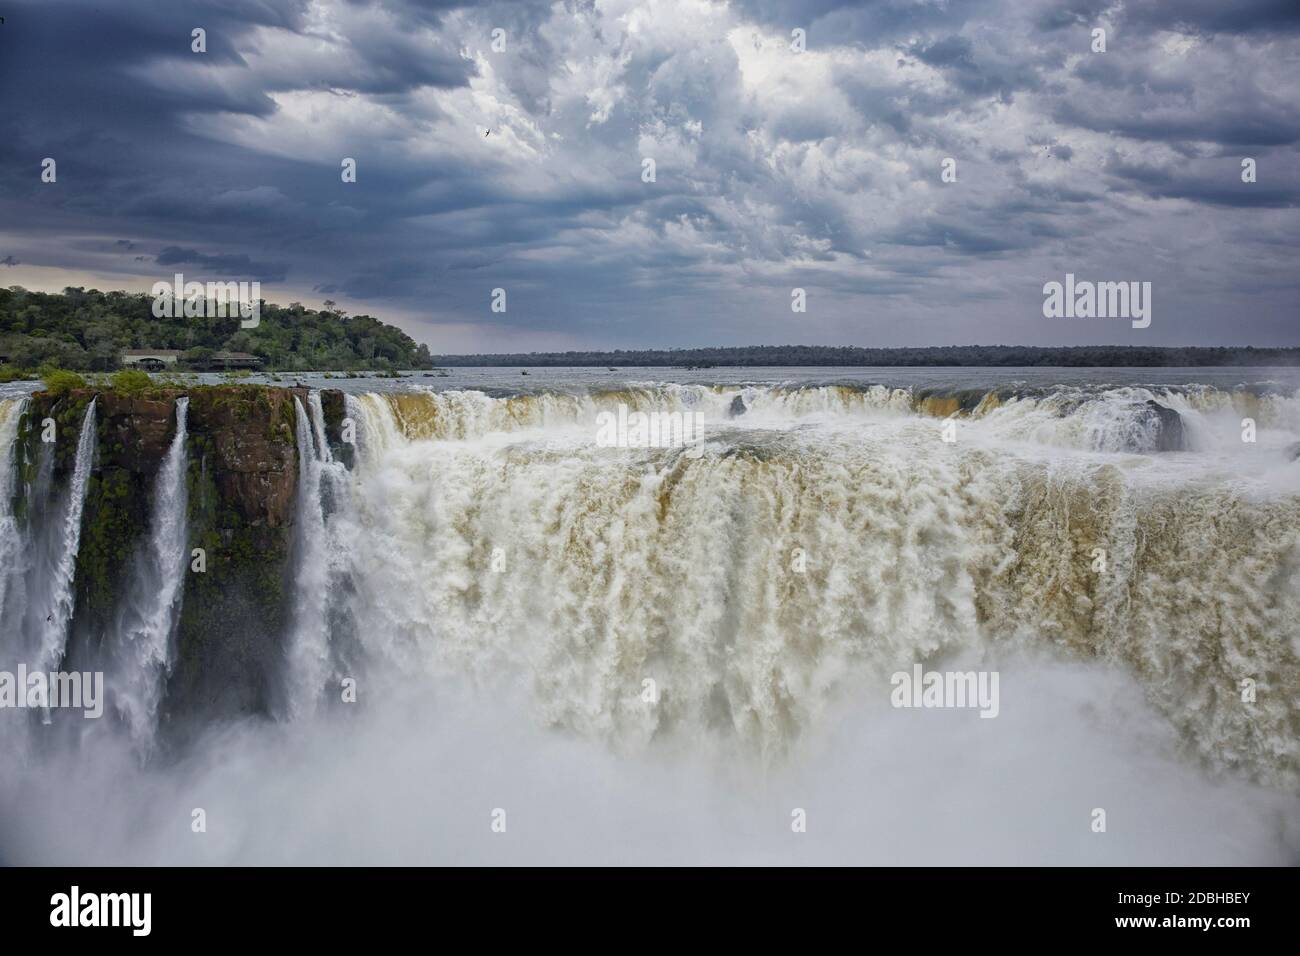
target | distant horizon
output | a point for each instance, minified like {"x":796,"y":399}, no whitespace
{"x":933,"y":356}
{"x":889,"y":348}
{"x":592,"y":349}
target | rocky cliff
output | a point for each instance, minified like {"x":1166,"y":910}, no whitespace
{"x":242,"y":477}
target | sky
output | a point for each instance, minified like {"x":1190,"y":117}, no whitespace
{"x":519,"y":164}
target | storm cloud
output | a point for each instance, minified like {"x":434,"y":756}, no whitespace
{"x":504,"y":145}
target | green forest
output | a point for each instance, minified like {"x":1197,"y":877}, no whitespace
{"x":87,"y":330}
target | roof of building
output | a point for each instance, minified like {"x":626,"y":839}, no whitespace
{"x":152,"y":351}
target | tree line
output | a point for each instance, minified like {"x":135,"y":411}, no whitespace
{"x":87,"y":330}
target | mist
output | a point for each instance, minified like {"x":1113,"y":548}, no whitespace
{"x":412,"y":773}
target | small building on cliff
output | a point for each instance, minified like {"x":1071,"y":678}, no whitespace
{"x":151,"y":360}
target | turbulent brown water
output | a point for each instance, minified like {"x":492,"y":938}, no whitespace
{"x":632,"y":563}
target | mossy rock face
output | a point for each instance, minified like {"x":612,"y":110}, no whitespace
{"x":243,"y":477}
{"x":334,"y":405}
{"x":230,"y":640}
{"x":251,"y":448}
{"x":136,"y":431}
{"x":67,"y":412}
{"x":134,"y":434}
{"x":113,"y":526}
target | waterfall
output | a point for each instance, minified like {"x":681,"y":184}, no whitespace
{"x":377,"y":429}
{"x":356,"y":413}
{"x":1127,"y":419}
{"x":582,"y":571}
{"x":309,"y":650}
{"x":11,"y":412}
{"x":55,"y":612}
{"x":492,"y":534}
{"x":491,"y":571}
{"x":151,"y":604}
{"x":323,"y":453}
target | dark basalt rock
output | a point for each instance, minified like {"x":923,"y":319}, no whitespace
{"x":334,"y":406}
{"x":737,"y":408}
{"x":243,"y":482}
{"x":1169,"y":435}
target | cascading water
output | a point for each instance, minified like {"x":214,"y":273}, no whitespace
{"x":1131,"y":419}
{"x":322,"y":490}
{"x":363,"y":436}
{"x":308,"y":661}
{"x":52,"y":611}
{"x":527,"y":548}
{"x":322,"y":448}
{"x":146,"y":621}
{"x":11,"y":413}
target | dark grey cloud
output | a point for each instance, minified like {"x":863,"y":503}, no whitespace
{"x":1240,"y":16}
{"x":1064,"y":14}
{"x":979,"y":74}
{"x":1266,"y":124}
{"x":864,"y":21}
{"x":1217,"y":182}
{"x":226,"y":264}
